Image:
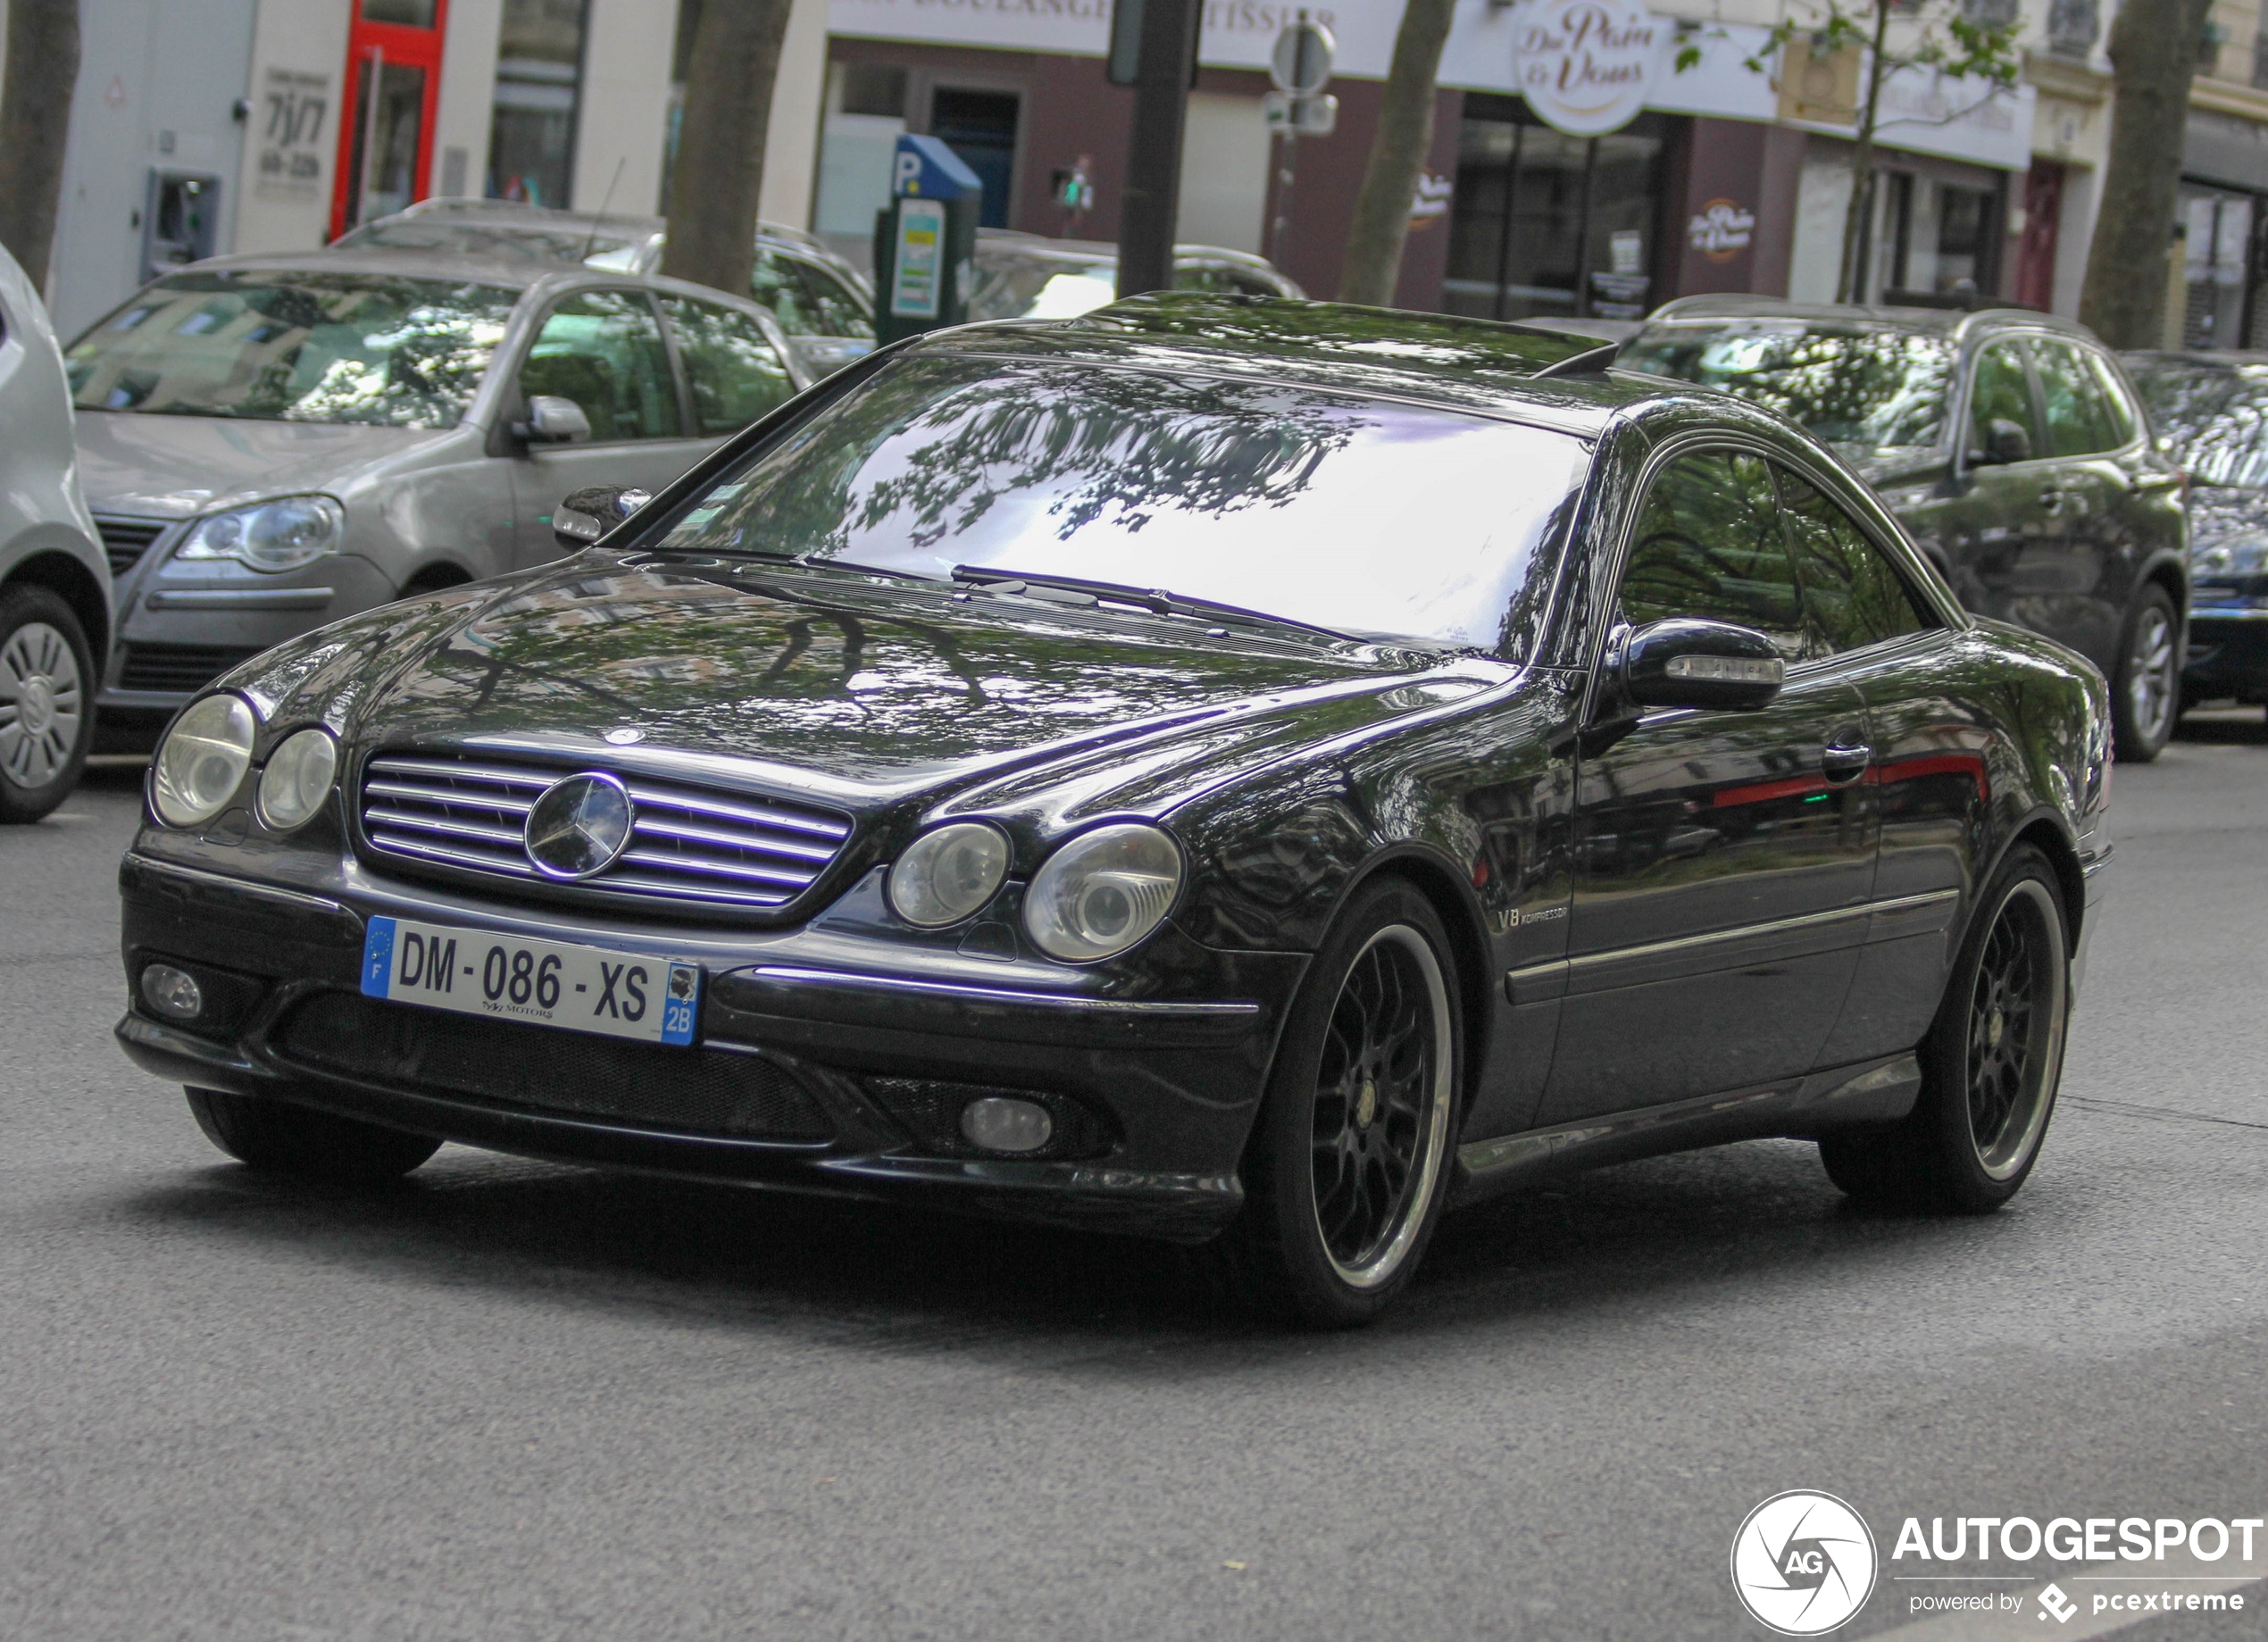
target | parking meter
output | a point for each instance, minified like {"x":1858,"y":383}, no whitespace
{"x":925,"y":242}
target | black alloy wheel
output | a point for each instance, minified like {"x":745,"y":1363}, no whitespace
{"x":279,"y":1138}
{"x":1990,"y":1065}
{"x":2146,"y":697}
{"x":1349,"y":1163}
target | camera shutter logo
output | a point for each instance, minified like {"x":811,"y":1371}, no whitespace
{"x":1804,"y":1562}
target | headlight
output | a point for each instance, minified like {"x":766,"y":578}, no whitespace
{"x":1102,"y":892}
{"x":281,"y":535}
{"x":202,"y":762}
{"x":298,"y":779}
{"x":948,"y":874}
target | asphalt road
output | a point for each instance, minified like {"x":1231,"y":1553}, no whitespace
{"x":512,"y":1400}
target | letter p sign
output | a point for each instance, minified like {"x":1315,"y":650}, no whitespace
{"x":907,"y":167}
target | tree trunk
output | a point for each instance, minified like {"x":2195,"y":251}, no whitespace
{"x":1397,"y":152}
{"x":1850,"y":281}
{"x":718,"y":178}
{"x":35,"y":120}
{"x":2154,"y":50}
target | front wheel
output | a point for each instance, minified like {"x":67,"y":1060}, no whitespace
{"x":1990,"y":1066}
{"x":1347,"y":1170}
{"x":282,"y":1138}
{"x":2145,"y":697}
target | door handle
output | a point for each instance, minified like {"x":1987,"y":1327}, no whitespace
{"x":1844,"y":762}
{"x":2051,"y":500}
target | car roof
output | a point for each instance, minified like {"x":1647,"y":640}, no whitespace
{"x":1954,"y":324}
{"x":509,"y":273}
{"x":2200,"y":359}
{"x":1500,"y":368}
{"x":513,"y":214}
{"x":1020,"y":244}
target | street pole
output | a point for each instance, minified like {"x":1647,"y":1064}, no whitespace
{"x":1167,"y":64}
{"x":1280,"y":232}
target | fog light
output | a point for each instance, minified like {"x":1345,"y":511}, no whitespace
{"x":1000,"y":1125}
{"x":175,"y":994}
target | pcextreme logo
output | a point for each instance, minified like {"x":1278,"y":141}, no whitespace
{"x":1802,"y":1562}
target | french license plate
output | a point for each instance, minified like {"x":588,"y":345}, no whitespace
{"x":551,"y":983}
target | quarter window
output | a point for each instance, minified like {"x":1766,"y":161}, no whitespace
{"x":2003,"y":393}
{"x":1852,"y":592}
{"x":2126,"y":420}
{"x":730,"y":364}
{"x":1709,"y":545}
{"x":2078,"y":423}
{"x":602,"y":350}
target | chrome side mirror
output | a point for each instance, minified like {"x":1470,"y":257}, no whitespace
{"x":553,"y":421}
{"x":590,"y":512}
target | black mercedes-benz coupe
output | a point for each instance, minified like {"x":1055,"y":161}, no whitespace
{"x":1247,"y":772}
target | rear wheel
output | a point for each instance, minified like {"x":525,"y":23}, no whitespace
{"x":1348,"y":1168}
{"x":282,"y":1138}
{"x":1990,"y":1065}
{"x":2145,"y":697}
{"x":46,"y":702}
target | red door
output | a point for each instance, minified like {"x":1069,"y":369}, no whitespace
{"x":393,"y":89}
{"x":2035,"y":253}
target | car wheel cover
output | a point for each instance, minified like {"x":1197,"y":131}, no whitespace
{"x":2015,"y":1043}
{"x":2150,"y":682}
{"x":42,"y":704}
{"x":1381,"y":1113}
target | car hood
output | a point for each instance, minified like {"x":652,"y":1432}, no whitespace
{"x":854,"y":688}
{"x":2229,"y":529}
{"x":171,"y":467}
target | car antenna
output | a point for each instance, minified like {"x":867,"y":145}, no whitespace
{"x":599,"y":221}
{"x":1587,"y":363}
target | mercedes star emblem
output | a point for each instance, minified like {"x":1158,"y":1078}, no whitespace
{"x":578,"y":826}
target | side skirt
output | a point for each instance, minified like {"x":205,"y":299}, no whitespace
{"x":1877,"y":1091}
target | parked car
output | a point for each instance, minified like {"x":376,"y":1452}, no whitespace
{"x":822,"y":302}
{"x":2210,"y":413}
{"x":2007,"y":442}
{"x":1220,"y":770}
{"x":1022,"y":276}
{"x":55,"y":585}
{"x":270,"y":444}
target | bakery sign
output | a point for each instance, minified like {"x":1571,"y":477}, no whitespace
{"x":1586,"y":67}
{"x":1722,"y":231}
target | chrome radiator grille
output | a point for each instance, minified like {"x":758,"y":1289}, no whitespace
{"x":687,"y":844}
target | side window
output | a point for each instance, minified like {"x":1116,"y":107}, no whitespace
{"x":734,"y":372}
{"x":603,"y":349}
{"x":2118,"y":399}
{"x":1853,"y":592}
{"x":774,"y":287}
{"x":1708,"y":544}
{"x":1200,"y":277}
{"x":836,"y":310}
{"x":2002,"y":394}
{"x":2078,"y":423}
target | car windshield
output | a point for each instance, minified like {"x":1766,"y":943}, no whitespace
{"x":1869,"y":390}
{"x":528,"y":244}
{"x":1364,"y":517}
{"x":302,"y":347}
{"x":2215,"y":415}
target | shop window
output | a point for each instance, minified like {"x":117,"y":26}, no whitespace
{"x":539,"y":72}
{"x":2216,"y":244}
{"x":865,"y":115}
{"x":1544,"y":224}
{"x":980,"y":127}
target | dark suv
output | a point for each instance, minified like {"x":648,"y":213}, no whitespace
{"x":2010,"y":444}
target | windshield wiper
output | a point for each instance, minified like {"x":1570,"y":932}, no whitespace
{"x":1157,"y":601}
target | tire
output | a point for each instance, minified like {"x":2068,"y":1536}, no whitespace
{"x":2146,"y":697}
{"x":46,"y":702}
{"x":278,"y":1137}
{"x":1332,"y":1148}
{"x":1990,"y":1065}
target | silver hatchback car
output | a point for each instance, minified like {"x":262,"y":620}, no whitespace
{"x":270,"y":444}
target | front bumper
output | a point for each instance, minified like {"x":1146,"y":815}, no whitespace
{"x":2227,"y":653}
{"x":1172,"y":1080}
